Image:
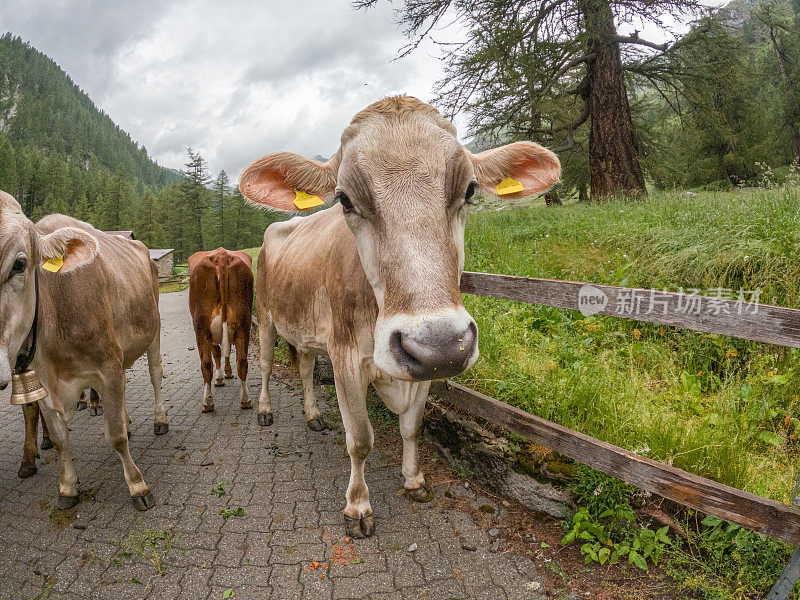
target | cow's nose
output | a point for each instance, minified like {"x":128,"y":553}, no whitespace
{"x":436,"y":355}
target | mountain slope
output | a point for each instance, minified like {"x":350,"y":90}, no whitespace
{"x":42,"y":108}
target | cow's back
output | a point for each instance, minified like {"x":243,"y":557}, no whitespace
{"x":111,"y":301}
{"x":311,"y":282}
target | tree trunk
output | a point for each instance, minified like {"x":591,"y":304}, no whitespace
{"x":551,"y":198}
{"x":613,"y":155}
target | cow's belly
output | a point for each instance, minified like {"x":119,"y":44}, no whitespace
{"x":304,"y":340}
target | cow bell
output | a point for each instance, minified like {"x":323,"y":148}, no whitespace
{"x":26,"y":388}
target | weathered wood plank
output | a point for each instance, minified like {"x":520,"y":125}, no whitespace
{"x":737,"y":318}
{"x":728,"y":503}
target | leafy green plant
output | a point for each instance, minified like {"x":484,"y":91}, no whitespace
{"x":232,"y":512}
{"x":219,"y":489}
{"x":153,"y":546}
{"x":724,"y":561}
{"x":228,"y":594}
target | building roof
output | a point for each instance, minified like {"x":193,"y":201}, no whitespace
{"x":126,"y":234}
{"x":157,"y":253}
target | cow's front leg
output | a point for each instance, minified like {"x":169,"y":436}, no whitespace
{"x":59,"y":434}
{"x":314,"y":420}
{"x":351,"y":393}
{"x":407,"y":399}
{"x":29,"y":451}
{"x":267,"y":335}
{"x":82,"y":405}
{"x":116,"y":429}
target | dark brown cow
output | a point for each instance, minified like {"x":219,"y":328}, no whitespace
{"x":221,"y":303}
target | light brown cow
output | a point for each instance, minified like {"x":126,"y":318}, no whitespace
{"x":96,"y":315}
{"x":373,"y":281}
{"x":221,"y":303}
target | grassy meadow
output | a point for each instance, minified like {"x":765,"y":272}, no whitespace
{"x":719,"y":407}
{"x":716,"y":406}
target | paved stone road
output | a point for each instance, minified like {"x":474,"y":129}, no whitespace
{"x":288,"y":482}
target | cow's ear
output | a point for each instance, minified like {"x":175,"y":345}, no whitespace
{"x":67,"y":248}
{"x":516,"y":170}
{"x":287,"y":182}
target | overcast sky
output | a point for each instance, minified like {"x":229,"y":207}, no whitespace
{"x":234,"y":80}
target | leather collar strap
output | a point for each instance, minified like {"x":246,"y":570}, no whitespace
{"x":25,"y":360}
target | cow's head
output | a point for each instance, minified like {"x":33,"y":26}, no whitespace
{"x":404,"y":183}
{"x":22,"y":250}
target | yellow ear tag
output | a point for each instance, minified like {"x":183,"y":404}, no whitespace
{"x":509,"y":186}
{"x":305,"y":201}
{"x":54,"y":264}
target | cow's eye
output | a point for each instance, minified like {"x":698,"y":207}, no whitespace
{"x":473,"y":185}
{"x":347,"y":206}
{"x":19,"y":266}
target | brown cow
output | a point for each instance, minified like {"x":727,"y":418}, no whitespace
{"x":373,"y":281}
{"x":96,"y":314}
{"x":221,"y":303}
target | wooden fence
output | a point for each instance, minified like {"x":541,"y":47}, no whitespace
{"x":180,"y":279}
{"x":743,"y":318}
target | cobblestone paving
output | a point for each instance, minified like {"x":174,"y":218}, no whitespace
{"x":288,"y":481}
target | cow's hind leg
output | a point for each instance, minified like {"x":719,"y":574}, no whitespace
{"x":59,"y":433}
{"x":314,"y":420}
{"x":407,"y":399}
{"x":351,"y":393}
{"x":95,"y":408}
{"x":116,"y":429}
{"x":267,"y":335}
{"x":29,"y":450}
{"x":204,"y":347}
{"x":160,"y":425}
{"x":46,"y":443}
{"x":242,"y":343}
{"x":219,"y":378}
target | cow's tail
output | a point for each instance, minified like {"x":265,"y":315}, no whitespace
{"x":224,"y":290}
{"x":292,"y":356}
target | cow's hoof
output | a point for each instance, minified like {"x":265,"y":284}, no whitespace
{"x":96,"y":410}
{"x":25,"y":471}
{"x":245,"y":405}
{"x":143,"y":502}
{"x":160,"y":428}
{"x":423,"y":493}
{"x":359,"y":528}
{"x":82,"y":404}
{"x":46,"y":443}
{"x":265,"y":419}
{"x":317,"y":424}
{"x":228,"y":375}
{"x":219,"y":382}
{"x":208,"y":408}
{"x":66,"y":502}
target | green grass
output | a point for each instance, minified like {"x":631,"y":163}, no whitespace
{"x":712,"y":405}
{"x":715,"y":406}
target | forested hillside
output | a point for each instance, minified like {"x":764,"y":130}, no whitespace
{"x":60,"y":153}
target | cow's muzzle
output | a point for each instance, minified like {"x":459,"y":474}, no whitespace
{"x":433,"y":347}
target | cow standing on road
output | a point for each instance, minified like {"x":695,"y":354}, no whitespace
{"x":96,"y":309}
{"x":373,"y":281}
{"x":221,"y":303}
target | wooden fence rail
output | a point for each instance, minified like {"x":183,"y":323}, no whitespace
{"x":743,"y":318}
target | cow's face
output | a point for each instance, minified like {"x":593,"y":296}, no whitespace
{"x":21,"y":251}
{"x":404,"y":183}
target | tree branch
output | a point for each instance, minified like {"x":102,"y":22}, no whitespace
{"x":635,"y":39}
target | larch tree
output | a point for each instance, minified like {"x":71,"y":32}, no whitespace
{"x":541,"y":69}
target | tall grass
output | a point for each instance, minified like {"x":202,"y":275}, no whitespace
{"x":719,"y":407}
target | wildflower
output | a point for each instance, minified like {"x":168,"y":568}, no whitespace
{"x":637,"y":334}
